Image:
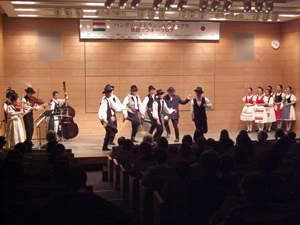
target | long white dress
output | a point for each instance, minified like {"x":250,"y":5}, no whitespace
{"x":288,"y":112}
{"x":260,"y":112}
{"x":248,"y":113}
{"x":270,"y":111}
{"x":15,"y":133}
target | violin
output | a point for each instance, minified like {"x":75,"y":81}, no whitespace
{"x":33,"y":100}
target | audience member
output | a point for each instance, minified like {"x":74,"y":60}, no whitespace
{"x":245,"y":141}
{"x":148,"y":138}
{"x":2,"y":143}
{"x":121,"y":141}
{"x":279,"y":133}
{"x":187,"y":138}
{"x":262,"y":144}
{"x":127,"y":145}
{"x":210,"y":142}
{"x":163,"y":143}
{"x":281,"y":147}
{"x":77,"y":179}
{"x":21,"y":147}
{"x":185,"y":153}
{"x":29,"y":145}
{"x":197,"y":134}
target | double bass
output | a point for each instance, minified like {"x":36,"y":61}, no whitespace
{"x":69,"y":128}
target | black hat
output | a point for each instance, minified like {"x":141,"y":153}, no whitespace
{"x":107,"y":88}
{"x":151,"y":88}
{"x":171,"y":90}
{"x":134,"y":88}
{"x":159,"y":92}
{"x":29,"y":90}
{"x":199,"y":89}
{"x":113,"y":87}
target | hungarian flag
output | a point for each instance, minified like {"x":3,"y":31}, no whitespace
{"x":98,"y":26}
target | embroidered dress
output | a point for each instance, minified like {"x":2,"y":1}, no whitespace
{"x":270,"y":110}
{"x":248,"y":113}
{"x":15,"y":134}
{"x":260,"y":113}
{"x":278,"y":97}
{"x":288,"y":112}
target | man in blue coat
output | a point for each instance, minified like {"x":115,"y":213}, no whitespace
{"x":173,"y":101}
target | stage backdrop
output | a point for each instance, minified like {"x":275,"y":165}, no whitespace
{"x":87,"y":66}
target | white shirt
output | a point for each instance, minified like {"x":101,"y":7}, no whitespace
{"x":199,"y":101}
{"x":116,"y":105}
{"x":293,"y":98}
{"x":137,"y":104}
{"x":146,"y":100}
{"x":102,"y":113}
{"x":5,"y":106}
{"x":60,"y":102}
{"x":165,"y":109}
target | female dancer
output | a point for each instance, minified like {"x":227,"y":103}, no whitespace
{"x":260,"y":112}
{"x":270,"y":111}
{"x":279,"y":99}
{"x":288,"y":111}
{"x":248,"y":113}
{"x":271,"y":89}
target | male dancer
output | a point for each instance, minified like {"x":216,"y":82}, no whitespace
{"x":107,"y":117}
{"x":148,"y":101}
{"x":131,"y":106}
{"x":173,"y":101}
{"x":198,"y":110}
{"x":160,"y":106}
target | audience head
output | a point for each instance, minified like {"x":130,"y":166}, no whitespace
{"x":201,"y":141}
{"x":28,"y":146}
{"x":187,"y":138}
{"x":227,"y":163}
{"x":281,"y":147}
{"x":182,"y":169}
{"x":51,"y":146}
{"x":51,"y":136}
{"x":262,"y":136}
{"x":21,"y":147}
{"x":2,"y":141}
{"x":253,"y":187}
{"x":210,"y":162}
{"x":77,"y":178}
{"x":135,"y":150}
{"x":60,"y":147}
{"x":185,"y":150}
{"x":161,"y":156}
{"x":173,"y":149}
{"x":197,"y":134}
{"x":121,"y":141}
{"x":245,"y":141}
{"x":145,"y":148}
{"x":217,"y":147}
{"x":268,"y":162}
{"x":291,"y":135}
{"x":210,"y":142}
{"x":243,"y":132}
{"x":148,"y":138}
{"x":279,"y":133}
{"x":127,"y":145}
{"x":224,"y":134}
{"x":163,"y":143}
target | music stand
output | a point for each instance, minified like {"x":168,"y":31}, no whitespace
{"x":42,"y":116}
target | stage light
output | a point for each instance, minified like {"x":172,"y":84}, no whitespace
{"x":203,"y":5}
{"x":265,"y":17}
{"x":181,"y":4}
{"x":247,"y":5}
{"x":122,"y":4}
{"x":269,"y":6}
{"x":215,"y":5}
{"x":156,"y":4}
{"x":258,"y":5}
{"x":135,"y":3}
{"x":108,"y":4}
{"x":168,"y":4}
{"x":227,"y":5}
{"x":275,"y":17}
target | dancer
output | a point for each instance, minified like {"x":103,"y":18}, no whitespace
{"x":248,"y":113}
{"x":279,"y":97}
{"x":260,"y":112}
{"x":173,"y":102}
{"x":160,"y":106}
{"x":270,"y":111}
{"x":199,"y":105}
{"x":9,"y":93}
{"x":271,"y":89}
{"x":55,"y":102}
{"x":131,"y":106}
{"x":15,"y":133}
{"x":148,"y":102}
{"x":107,"y":117}
{"x":288,"y":111}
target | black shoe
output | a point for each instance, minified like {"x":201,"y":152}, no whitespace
{"x":112,"y":143}
{"x":176,"y":140}
{"x":124,"y":119}
{"x":142,"y":121}
{"x":133,"y":140}
{"x":168,"y":135}
{"x":106,"y":149}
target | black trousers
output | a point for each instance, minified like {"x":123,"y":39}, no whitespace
{"x":153,"y":123}
{"x":28,"y":122}
{"x":135,"y":123}
{"x":201,"y":125}
{"x":175,"y":125}
{"x":111,"y":131}
{"x":116,"y":125}
{"x":159,"y":130}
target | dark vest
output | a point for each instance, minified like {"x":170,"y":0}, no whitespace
{"x":150,"y":102}
{"x":199,"y":111}
{"x":108,"y":112}
{"x":289,"y":99}
{"x":278,"y":98}
{"x":28,"y":100}
{"x":160,"y":107}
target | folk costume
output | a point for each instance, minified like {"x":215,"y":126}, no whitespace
{"x":147,"y":103}
{"x":248,"y":113}
{"x":15,"y":134}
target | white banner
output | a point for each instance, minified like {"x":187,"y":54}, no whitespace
{"x":160,"y":30}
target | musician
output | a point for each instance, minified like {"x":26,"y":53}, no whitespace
{"x":119,"y":106}
{"x":132,"y":105}
{"x":107,"y":116}
{"x":173,"y":102}
{"x":28,"y":118}
{"x":9,"y":93}
{"x":148,"y":102}
{"x":159,"y":107}
{"x":55,"y":103}
{"x":198,"y":110}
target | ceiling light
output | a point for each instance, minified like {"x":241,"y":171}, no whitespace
{"x":215,"y":5}
{"x":247,"y":5}
{"x":25,"y":15}
{"x":168,"y":4}
{"x":227,"y":5}
{"x":288,"y":15}
{"x":122,"y":4}
{"x":269,"y":6}
{"x":86,"y":16}
{"x":258,"y":5}
{"x":22,"y":3}
{"x":135,"y":3}
{"x":181,"y":4}
{"x":203,"y":5}
{"x":28,"y":10}
{"x":89,"y":10}
{"x":156,"y":4}
{"x":95,"y":4}
{"x":108,"y":4}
